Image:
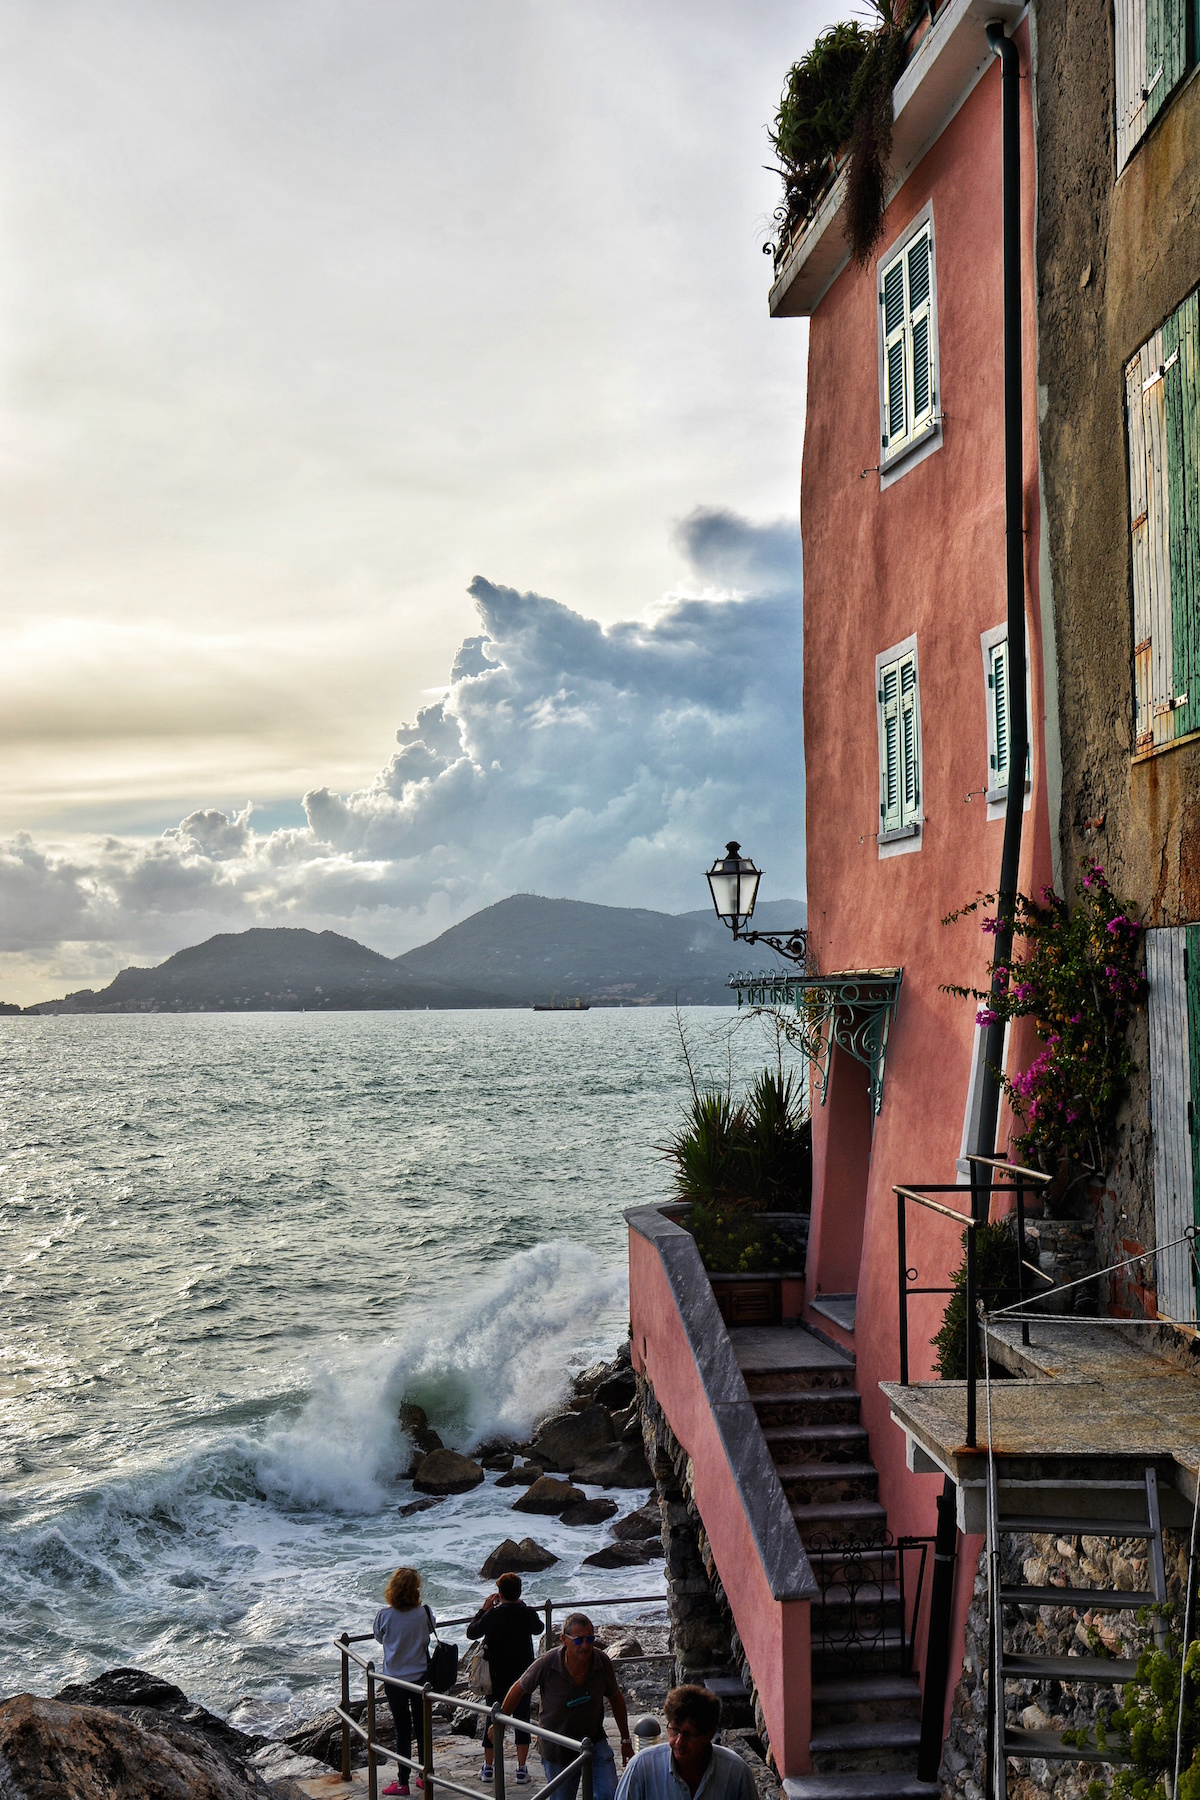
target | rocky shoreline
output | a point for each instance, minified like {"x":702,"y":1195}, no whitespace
{"x":129,"y":1733}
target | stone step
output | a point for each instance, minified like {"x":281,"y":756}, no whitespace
{"x":820,"y":1482}
{"x":835,"y":1406}
{"x":885,"y":1784}
{"x":866,"y":1518}
{"x":830,"y":1440}
{"x":865,"y":1697}
{"x":876,"y":1744}
{"x":799,"y":1381}
{"x":1050,"y":1747}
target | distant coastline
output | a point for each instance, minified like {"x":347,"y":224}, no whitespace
{"x":519,"y":953}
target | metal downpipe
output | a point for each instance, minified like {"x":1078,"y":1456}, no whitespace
{"x":941,"y":1598}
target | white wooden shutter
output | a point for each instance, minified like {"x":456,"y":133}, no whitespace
{"x":910,"y":795}
{"x":1131,"y":84}
{"x":1171,"y":1117}
{"x":891,"y":784}
{"x":1150,"y":534}
{"x":918,"y":260}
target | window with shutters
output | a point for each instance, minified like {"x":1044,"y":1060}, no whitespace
{"x":1155,"y":47}
{"x":908,"y":366}
{"x":898,"y":708}
{"x":999,"y":718}
{"x":1162,"y":408}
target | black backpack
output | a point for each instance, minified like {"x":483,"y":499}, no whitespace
{"x":441,"y":1671}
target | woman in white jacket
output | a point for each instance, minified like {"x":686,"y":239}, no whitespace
{"x":402,"y":1628}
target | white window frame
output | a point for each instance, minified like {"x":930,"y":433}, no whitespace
{"x":898,"y":454}
{"x":995,"y":790}
{"x":970,"y":1130}
{"x":907,"y":836}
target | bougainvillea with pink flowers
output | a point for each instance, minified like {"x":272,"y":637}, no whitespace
{"x":1078,"y":972}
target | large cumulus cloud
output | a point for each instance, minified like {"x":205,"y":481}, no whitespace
{"x":563,"y":758}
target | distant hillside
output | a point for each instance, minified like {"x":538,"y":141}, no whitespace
{"x":521,"y":950}
{"x":528,"y":948}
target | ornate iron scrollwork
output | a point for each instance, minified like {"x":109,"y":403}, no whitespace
{"x":853,"y":1011}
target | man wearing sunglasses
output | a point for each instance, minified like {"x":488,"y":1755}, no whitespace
{"x":689,"y":1766}
{"x":575,"y":1680}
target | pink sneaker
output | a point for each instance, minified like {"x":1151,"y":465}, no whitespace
{"x":396,"y":1787}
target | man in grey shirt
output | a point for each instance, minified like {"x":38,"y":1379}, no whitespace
{"x":575,"y":1680}
{"x":689,"y":1764}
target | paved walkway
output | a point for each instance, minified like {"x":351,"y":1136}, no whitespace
{"x":759,"y":1349}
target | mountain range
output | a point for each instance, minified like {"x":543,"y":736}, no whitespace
{"x":521,"y":951}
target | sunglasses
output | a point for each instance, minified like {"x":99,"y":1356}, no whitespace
{"x":579,"y":1642}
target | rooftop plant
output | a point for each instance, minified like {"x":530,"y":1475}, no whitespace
{"x":1148,"y":1724}
{"x":1080,"y":979}
{"x":838,"y":101}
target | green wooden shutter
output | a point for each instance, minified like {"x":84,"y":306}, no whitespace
{"x":1191,"y":964}
{"x":920,"y":288}
{"x":895,"y":386}
{"x":1180,"y":346}
{"x":1172,"y":972}
{"x":890,"y":802}
{"x":1154,"y":47}
{"x":1166,"y":52}
{"x":910,"y":795}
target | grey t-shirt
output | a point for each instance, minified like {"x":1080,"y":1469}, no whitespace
{"x":404,"y":1634}
{"x":575,"y":1709}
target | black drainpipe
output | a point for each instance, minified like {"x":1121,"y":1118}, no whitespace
{"x":941,"y":1597}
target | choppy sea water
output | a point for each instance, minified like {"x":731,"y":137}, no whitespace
{"x":230,"y":1246}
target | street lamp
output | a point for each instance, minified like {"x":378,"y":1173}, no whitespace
{"x":733,"y":883}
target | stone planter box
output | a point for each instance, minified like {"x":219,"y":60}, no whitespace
{"x":767,"y":1296}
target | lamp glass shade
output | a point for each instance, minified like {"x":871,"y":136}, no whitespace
{"x":733,"y":882}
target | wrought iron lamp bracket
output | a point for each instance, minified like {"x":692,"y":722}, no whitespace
{"x":791,"y":944}
{"x":853,"y":1011}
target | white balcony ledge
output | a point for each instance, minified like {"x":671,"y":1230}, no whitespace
{"x":944,"y":69}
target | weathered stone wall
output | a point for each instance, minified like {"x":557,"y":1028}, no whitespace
{"x":1049,"y":1631}
{"x":1114,"y":257}
{"x":704,"y":1638}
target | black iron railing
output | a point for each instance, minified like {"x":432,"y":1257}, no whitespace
{"x":981,"y":1192}
{"x":864,"y":1616}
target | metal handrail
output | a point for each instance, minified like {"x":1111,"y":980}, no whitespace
{"x":968,"y":1223}
{"x":429,"y":1698}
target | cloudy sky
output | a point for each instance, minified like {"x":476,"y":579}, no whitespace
{"x":398,"y":466}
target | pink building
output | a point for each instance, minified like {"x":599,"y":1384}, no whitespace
{"x":907,"y":727}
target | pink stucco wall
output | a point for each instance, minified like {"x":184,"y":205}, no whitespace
{"x":925,"y":556}
{"x":775,"y":1633}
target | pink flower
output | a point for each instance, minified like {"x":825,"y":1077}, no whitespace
{"x":985,"y":1016}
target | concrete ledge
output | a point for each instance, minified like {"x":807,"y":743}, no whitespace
{"x":781,"y":1552}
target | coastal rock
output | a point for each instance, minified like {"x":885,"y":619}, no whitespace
{"x":569,"y":1438}
{"x":645,"y":1522}
{"x":620,"y":1465}
{"x":618,"y":1389}
{"x":415,"y":1423}
{"x":549,"y":1496}
{"x":446,"y":1472}
{"x":124,"y":1687}
{"x":588,"y":1512}
{"x":49,"y":1748}
{"x":420,"y":1506}
{"x":523,"y":1476}
{"x":624,"y":1556}
{"x":626,"y":1650}
{"x":525,"y":1558}
{"x":499,"y":1463}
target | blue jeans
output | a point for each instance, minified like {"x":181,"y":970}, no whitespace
{"x":604,"y":1772}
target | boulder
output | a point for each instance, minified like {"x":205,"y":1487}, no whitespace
{"x":415,"y":1424}
{"x":569,"y":1438}
{"x":419,"y":1506}
{"x":446,"y":1472}
{"x":619,"y":1465}
{"x":645,"y":1522}
{"x":549,"y":1496}
{"x":321,"y":1737}
{"x":525,"y":1558}
{"x":498,"y":1463}
{"x":626,"y":1650}
{"x":523,"y":1476}
{"x":589,"y":1379}
{"x":124,"y":1687}
{"x":624,"y":1556}
{"x":618,"y":1389}
{"x":50,"y":1748}
{"x":588,"y":1512}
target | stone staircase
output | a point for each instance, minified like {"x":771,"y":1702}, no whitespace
{"x":865,"y":1707}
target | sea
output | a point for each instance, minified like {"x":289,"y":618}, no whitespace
{"x":231,"y":1246}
